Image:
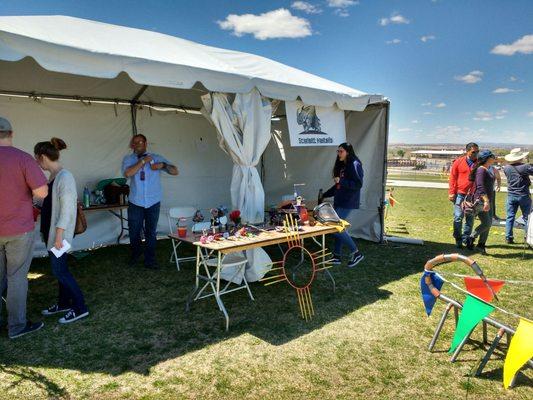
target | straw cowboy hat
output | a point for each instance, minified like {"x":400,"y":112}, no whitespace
{"x":516,"y":155}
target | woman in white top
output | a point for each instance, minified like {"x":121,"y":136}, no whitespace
{"x":58,"y":220}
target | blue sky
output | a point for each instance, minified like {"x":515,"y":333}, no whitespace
{"x":437,"y":60}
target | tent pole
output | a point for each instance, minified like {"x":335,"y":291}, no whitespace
{"x":50,"y":96}
{"x":384,"y":176}
{"x":133,"y":108}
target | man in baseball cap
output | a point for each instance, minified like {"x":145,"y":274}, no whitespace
{"x":21,"y":178}
{"x":518,"y":182}
{"x":5,"y":126}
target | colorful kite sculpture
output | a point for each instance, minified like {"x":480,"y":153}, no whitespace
{"x":476,"y":308}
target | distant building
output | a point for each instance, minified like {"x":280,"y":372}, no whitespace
{"x":440,"y":154}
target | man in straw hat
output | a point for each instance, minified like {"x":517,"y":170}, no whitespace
{"x":518,"y":183}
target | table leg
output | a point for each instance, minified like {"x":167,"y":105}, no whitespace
{"x":197,"y":281}
{"x":327,"y":270}
{"x":217,"y":293}
{"x":121,"y":225}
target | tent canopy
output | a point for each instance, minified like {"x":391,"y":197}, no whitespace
{"x":116,"y":62}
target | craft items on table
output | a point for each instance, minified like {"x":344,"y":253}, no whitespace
{"x":198,"y":217}
{"x":480,"y":291}
{"x":235,"y":217}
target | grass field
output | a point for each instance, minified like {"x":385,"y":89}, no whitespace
{"x":368,"y":339}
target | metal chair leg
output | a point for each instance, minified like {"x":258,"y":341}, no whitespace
{"x":439,"y":326}
{"x":491,"y":349}
{"x":460,"y":347}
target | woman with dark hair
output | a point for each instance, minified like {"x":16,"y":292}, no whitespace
{"x":346,"y":192}
{"x":483,"y":190}
{"x":58,"y":220}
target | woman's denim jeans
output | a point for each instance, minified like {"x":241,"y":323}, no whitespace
{"x":70,"y":295}
{"x":483,"y":229}
{"x":343,"y":238}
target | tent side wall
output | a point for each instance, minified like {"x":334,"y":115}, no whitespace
{"x":285,"y":165}
{"x":98,"y":139}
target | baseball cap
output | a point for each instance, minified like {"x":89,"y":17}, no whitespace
{"x":5,"y":125}
{"x":485,"y":155}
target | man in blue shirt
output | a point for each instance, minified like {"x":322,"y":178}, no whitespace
{"x":518,"y":183}
{"x":144,"y":170}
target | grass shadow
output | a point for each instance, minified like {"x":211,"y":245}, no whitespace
{"x":23,"y":375}
{"x":138,"y":316}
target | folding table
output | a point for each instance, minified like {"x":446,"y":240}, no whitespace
{"x":117,"y":210}
{"x":218,"y":249}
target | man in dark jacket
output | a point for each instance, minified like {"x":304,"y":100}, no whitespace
{"x":518,"y":183}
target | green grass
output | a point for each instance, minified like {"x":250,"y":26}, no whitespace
{"x":367,"y":340}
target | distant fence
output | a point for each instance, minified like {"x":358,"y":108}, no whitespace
{"x":404,"y":162}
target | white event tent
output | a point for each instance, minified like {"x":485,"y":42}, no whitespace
{"x":95,"y":84}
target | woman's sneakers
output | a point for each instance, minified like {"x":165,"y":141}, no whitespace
{"x":55,"y":309}
{"x":69,"y":317}
{"x":336,"y":260}
{"x":72,"y":316}
{"x":357,"y":257}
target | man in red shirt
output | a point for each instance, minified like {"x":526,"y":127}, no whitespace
{"x":20,"y":180}
{"x":459,"y":186}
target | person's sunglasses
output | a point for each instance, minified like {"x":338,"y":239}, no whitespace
{"x":475,"y":152}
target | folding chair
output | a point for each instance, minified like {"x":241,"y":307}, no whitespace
{"x":174,"y":214}
{"x":238,"y":262}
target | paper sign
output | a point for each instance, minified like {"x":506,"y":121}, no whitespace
{"x":315,"y":126}
{"x":58,"y":253}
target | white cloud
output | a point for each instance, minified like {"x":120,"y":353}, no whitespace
{"x":530,"y":114}
{"x":471,"y":77}
{"x":487,"y":116}
{"x":504,"y":90}
{"x":523,"y":45}
{"x":427,"y":38}
{"x":341,"y":12}
{"x":428,"y":113}
{"x":415,"y":121}
{"x":426,"y":104}
{"x":404,"y":130}
{"x":394,"y":19}
{"x":393,"y":41}
{"x":440,"y":105}
{"x":454,"y":133}
{"x":513,"y":78}
{"x":341,"y":6}
{"x":274,"y":24}
{"x":342,"y":3}
{"x":306,"y":7}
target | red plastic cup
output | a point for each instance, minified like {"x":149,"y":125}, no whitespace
{"x":182,"y":231}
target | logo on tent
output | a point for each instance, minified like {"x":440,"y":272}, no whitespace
{"x":306,"y":116}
